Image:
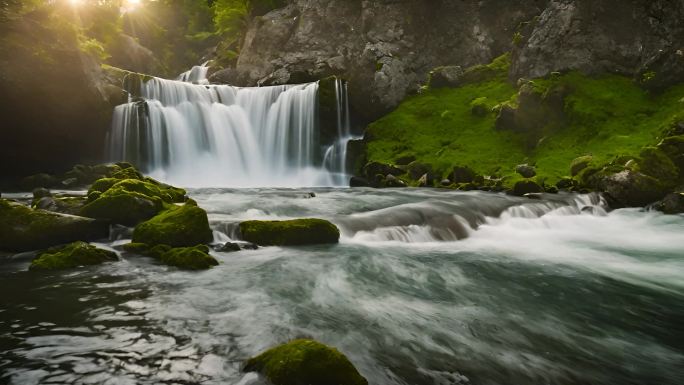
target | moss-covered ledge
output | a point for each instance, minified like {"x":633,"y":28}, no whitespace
{"x":296,"y":232}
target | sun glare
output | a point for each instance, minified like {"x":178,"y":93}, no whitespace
{"x":131,"y":5}
{"x":75,"y":2}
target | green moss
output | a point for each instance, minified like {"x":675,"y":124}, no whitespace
{"x":290,"y":233}
{"x":71,"y":256}
{"x":136,"y":248}
{"x":189,"y":258}
{"x":580,"y":163}
{"x":128,"y":173}
{"x":305,"y":362}
{"x":607,"y":116}
{"x":126,"y":208}
{"x":24,"y":229}
{"x":102,"y":185}
{"x":178,"y":226}
{"x":654,"y":162}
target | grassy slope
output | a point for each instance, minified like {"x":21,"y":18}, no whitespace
{"x":607,"y":117}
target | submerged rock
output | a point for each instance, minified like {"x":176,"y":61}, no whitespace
{"x":70,"y":256}
{"x":178,"y":226}
{"x":25,"y":229}
{"x":524,"y":187}
{"x":305,"y":362}
{"x":672,"y":203}
{"x":188,"y":258}
{"x":290,"y":233}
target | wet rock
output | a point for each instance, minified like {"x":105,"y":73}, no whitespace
{"x":445,"y":183}
{"x":70,"y":256}
{"x":41,"y":193}
{"x":290,"y":233}
{"x":65,"y":205}
{"x":228,"y":247}
{"x":417,"y":170}
{"x":526,"y":187}
{"x":376,"y":168}
{"x":526,"y":170}
{"x":462,"y":174}
{"x":25,"y":229}
{"x":566,"y":184}
{"x":632,"y":189}
{"x":305,"y":362}
{"x":392,"y":181}
{"x":178,"y":226}
{"x":189,"y":258}
{"x":356,"y":181}
{"x":672,"y":203}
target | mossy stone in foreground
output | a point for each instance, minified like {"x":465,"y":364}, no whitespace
{"x":24,"y":229}
{"x":295,"y":232}
{"x":305,"y":362}
{"x":178,"y":226}
{"x":189,"y":258}
{"x":71,"y":256}
{"x":126,"y":208}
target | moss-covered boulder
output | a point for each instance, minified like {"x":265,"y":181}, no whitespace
{"x":523,"y":187}
{"x":70,"y":256}
{"x":672,"y":204}
{"x":579,"y":164}
{"x":188,"y":258}
{"x":290,"y":233}
{"x":24,"y":229}
{"x":305,"y":362}
{"x":655,"y":162}
{"x":178,"y":226}
{"x":632,"y":189}
{"x":64,"y":205}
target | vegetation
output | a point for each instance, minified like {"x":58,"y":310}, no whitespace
{"x":71,"y":256}
{"x":607,"y":117}
{"x":305,"y":362}
{"x":290,"y":233}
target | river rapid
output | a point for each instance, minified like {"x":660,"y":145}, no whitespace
{"x":425,"y":287}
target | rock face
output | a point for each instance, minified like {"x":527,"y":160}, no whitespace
{"x":384,"y":48}
{"x":636,"y":38}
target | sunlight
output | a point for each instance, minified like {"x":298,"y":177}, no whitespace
{"x":75,"y":2}
{"x":130,"y":5}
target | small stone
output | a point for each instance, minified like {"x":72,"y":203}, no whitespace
{"x":526,"y":170}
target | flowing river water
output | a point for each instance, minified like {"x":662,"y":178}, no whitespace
{"x":425,"y":287}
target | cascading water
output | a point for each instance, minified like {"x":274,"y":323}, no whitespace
{"x":190,"y":133}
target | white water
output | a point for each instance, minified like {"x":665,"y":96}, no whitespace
{"x":193,"y":134}
{"x":335,"y":159}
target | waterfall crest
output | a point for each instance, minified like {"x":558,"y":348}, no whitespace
{"x":190,"y":133}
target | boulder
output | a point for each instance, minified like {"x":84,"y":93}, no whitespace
{"x":462,"y":174}
{"x":446,"y":76}
{"x":526,"y":170}
{"x":64,"y":205}
{"x":290,"y":233}
{"x":178,"y":226}
{"x":392,"y":181}
{"x":579,"y":164}
{"x":228,"y":247}
{"x":672,"y":203}
{"x":416,"y":170}
{"x":356,"y":181}
{"x":632,"y":189}
{"x":305,"y":362}
{"x":376,"y":168}
{"x":70,"y":256}
{"x":189,"y":258}
{"x":25,"y":229}
{"x":655,"y":162}
{"x":526,"y":187}
{"x":41,"y":192}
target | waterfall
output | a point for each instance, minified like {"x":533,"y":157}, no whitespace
{"x":190,"y":133}
{"x":335,"y":158}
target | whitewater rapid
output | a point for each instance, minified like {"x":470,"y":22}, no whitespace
{"x":426,"y":287}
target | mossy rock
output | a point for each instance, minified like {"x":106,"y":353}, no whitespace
{"x":136,"y":248}
{"x":126,"y":209}
{"x":24,"y":229}
{"x":305,"y":361}
{"x":102,"y":185}
{"x":128,"y":173}
{"x":632,"y":189}
{"x":526,"y":187}
{"x":579,"y":164}
{"x":290,"y":233}
{"x":189,"y":258}
{"x":64,"y":205}
{"x":70,"y":256}
{"x":655,"y":162}
{"x":178,"y":226}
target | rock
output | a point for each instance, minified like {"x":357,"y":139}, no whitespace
{"x":416,"y":170}
{"x":25,"y":229}
{"x":356,"y":181}
{"x":632,"y":189}
{"x":405,"y":160}
{"x":566,"y":184}
{"x":392,"y":181}
{"x":136,"y":248}
{"x":526,"y":170}
{"x":552,"y":190}
{"x":505,"y":120}
{"x":41,"y":193}
{"x":189,"y":258}
{"x":38,"y":181}
{"x":376,"y":168}
{"x":70,"y":256}
{"x":447,"y":76}
{"x":462,"y":174}
{"x":526,"y":187}
{"x":66,"y":205}
{"x":579,"y":164}
{"x":290,"y":233}
{"x":228,"y":247}
{"x":178,"y":226}
{"x":655,"y":162}
{"x":643,"y":38}
{"x":479,"y":107}
{"x":672,"y":203}
{"x":424,"y":181}
{"x":445,"y":182}
{"x":305,"y":362}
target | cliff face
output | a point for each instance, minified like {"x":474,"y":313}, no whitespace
{"x":385,"y":48}
{"x":644,"y":39}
